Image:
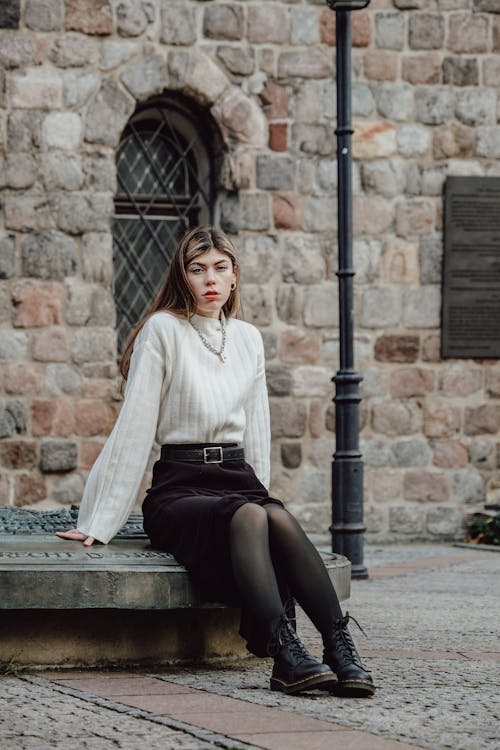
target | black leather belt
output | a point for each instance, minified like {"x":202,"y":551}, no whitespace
{"x":209,"y":455}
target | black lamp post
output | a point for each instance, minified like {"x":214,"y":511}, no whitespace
{"x":347,"y":470}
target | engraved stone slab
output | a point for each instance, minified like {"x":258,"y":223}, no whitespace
{"x":471,"y":269}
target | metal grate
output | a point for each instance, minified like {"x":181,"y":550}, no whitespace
{"x":164,"y":186}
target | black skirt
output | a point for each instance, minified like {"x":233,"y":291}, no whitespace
{"x":187,"y":512}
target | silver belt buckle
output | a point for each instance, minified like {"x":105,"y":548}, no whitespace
{"x":218,"y":451}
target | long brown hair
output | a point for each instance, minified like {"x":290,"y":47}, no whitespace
{"x":175,"y":293}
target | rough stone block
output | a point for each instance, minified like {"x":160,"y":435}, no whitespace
{"x":25,"y":213}
{"x":460,"y":380}
{"x":10,"y":14}
{"x":442,"y":418}
{"x":258,"y":304}
{"x":37,"y":304}
{"x":380,"y":308}
{"x":482,"y":453}
{"x":426,"y":486}
{"x":313,"y":140}
{"x":7,"y":256}
{"x":114,"y":53}
{"x":393,"y":417}
{"x":459,"y":71}
{"x":303,"y":260}
{"x":491,"y":71}
{"x":52,"y":417}
{"x":108,"y":114}
{"x":389,"y":30}
{"x":288,"y":418}
{"x":89,"y":16}
{"x":62,"y":380}
{"x":468,"y":487}
{"x":484,"y":419}
{"x":363,"y":101}
{"x":395,"y":101}
{"x":413,"y":140}
{"x":22,"y":380}
{"x":426,"y":30}
{"x":422,"y":307}
{"x":239,"y":117}
{"x":62,"y":130}
{"x":35,"y":89}
{"x":421,"y":69}
{"x":238,"y":61}
{"x":373,"y":140}
{"x":275,"y":173}
{"x":386,"y":177}
{"x":289,"y":303}
{"x":321,"y":306}
{"x":44,"y":15}
{"x":62,"y":171}
{"x":314,"y":101}
{"x":51,"y":345}
{"x":319,"y":216}
{"x":18,"y":454}
{"x":314,"y":63}
{"x":16,"y":50}
{"x":379,"y":65}
{"x":304,"y":27}
{"x":430,"y":258}
{"x":488,"y":142}
{"x":79,"y":88}
{"x":468,"y":33}
{"x":375,"y":452}
{"x":255,"y":211}
{"x":13,"y":346}
{"x":57,"y":456}
{"x":476,"y":107}
{"x":73,"y":51}
{"x":406,"y":382}
{"x":12,"y":418}
{"x":411,"y":452}
{"x":372,"y":215}
{"x":68,"y":489}
{"x":20,"y":171}
{"x":29,"y":489}
{"x":400,"y":261}
{"x":434,"y":105}
{"x":291,"y":455}
{"x":279,"y":380}
{"x":450,"y":454}
{"x":299,"y":346}
{"x":311,"y":381}
{"x":288,"y":211}
{"x":93,"y":417}
{"x":384,"y":484}
{"x":493,"y":380}
{"x":443,"y":522}
{"x":93,"y":345}
{"x":178,"y":24}
{"x":415,"y":217}
{"x":274,"y":99}
{"x":406,"y":520}
{"x":134,"y":16}
{"x":267,"y":24}
{"x":453,"y":140}
{"x":146,"y":78}
{"x":222,"y":22}
{"x":84,"y":212}
{"x":258,"y":258}
{"x":49,"y":256}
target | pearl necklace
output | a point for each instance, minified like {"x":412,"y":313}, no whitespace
{"x":208,"y":345}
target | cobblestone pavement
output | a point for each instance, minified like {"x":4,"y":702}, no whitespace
{"x":432,"y":623}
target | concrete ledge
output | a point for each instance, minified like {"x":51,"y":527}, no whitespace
{"x":121,"y":604}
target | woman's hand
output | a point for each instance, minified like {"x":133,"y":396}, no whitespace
{"x":76,"y":536}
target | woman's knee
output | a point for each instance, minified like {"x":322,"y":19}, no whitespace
{"x":250,"y":516}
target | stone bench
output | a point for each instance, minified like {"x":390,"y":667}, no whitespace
{"x":63,"y":604}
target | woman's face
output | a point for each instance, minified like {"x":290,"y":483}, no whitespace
{"x":210,"y":277}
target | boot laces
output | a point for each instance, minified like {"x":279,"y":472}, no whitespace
{"x":285,"y":636}
{"x":343,"y":643}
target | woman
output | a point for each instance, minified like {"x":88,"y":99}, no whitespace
{"x":195,"y":382}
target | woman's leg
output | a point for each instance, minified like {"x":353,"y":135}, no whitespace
{"x":299,"y":562}
{"x":294,"y":669}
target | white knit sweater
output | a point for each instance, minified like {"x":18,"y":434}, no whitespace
{"x":179,"y":392}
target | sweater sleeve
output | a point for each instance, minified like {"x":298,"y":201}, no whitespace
{"x":115,"y":478}
{"x":257,"y":436}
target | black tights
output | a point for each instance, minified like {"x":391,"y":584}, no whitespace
{"x":267,"y":545}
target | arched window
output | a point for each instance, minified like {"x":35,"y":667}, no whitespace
{"x":165,"y":173}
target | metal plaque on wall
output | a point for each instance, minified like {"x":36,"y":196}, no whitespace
{"x":471,"y":268}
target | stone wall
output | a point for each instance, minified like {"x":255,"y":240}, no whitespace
{"x":425,"y":105}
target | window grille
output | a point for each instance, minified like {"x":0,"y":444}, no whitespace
{"x":165,"y":185}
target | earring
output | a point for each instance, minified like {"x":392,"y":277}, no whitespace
{"x":233,"y":286}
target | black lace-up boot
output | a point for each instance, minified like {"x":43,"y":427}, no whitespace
{"x":294,"y":669}
{"x":341,"y":656}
